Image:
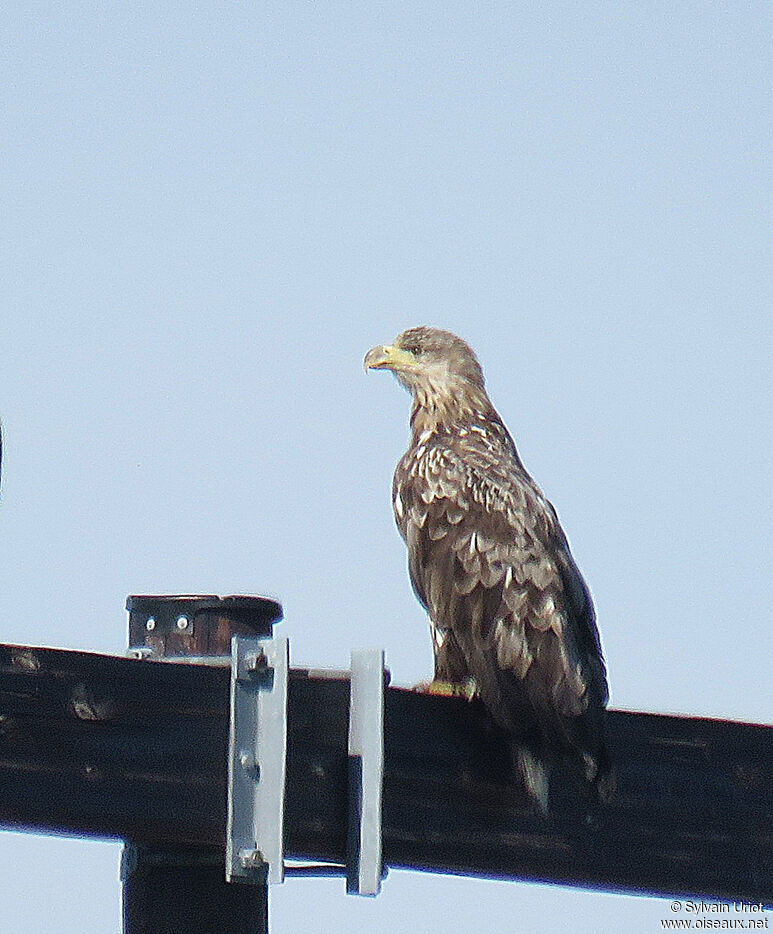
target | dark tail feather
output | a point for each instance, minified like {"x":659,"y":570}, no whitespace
{"x":605,"y":779}
{"x":535,"y":774}
{"x":598,"y":771}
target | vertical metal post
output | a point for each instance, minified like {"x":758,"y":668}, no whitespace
{"x":183,"y":891}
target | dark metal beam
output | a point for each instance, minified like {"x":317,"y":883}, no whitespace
{"x":121,"y":748}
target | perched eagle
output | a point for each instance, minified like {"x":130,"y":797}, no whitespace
{"x":489,"y":561}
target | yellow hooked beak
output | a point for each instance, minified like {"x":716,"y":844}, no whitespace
{"x":389,"y":358}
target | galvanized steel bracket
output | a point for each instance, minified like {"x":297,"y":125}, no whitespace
{"x":257,"y":754}
{"x":364,"y":864}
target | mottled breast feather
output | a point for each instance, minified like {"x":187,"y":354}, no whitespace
{"x":491,"y":564}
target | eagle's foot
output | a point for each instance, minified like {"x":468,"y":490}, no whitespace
{"x":466,"y":689}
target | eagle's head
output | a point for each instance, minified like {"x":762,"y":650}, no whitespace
{"x":431,"y":364}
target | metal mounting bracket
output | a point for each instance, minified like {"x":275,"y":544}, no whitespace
{"x":364,"y":864}
{"x":257,"y":752}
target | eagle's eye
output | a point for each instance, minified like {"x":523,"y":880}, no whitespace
{"x":413,"y":348}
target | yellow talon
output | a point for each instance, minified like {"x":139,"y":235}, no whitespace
{"x":466,"y":689}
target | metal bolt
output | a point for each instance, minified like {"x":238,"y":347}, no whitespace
{"x":182,"y":622}
{"x":150,"y":625}
{"x":248,"y":763}
{"x":254,"y":663}
{"x":250,"y":859}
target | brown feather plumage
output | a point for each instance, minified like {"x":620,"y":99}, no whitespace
{"x":489,"y":561}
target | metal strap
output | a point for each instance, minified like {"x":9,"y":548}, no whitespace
{"x":257,"y":750}
{"x":366,"y":772}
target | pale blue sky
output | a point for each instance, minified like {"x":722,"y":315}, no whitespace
{"x":211,"y":211}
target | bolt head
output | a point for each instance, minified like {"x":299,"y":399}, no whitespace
{"x":250,"y":859}
{"x":255,"y":663}
{"x":150,"y":625}
{"x":249,"y":764}
{"x":182,"y":622}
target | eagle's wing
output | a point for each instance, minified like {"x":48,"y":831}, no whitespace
{"x":488,"y":559}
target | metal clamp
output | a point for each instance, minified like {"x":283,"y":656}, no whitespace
{"x":364,"y":864}
{"x":257,"y":751}
{"x":257,"y":748}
